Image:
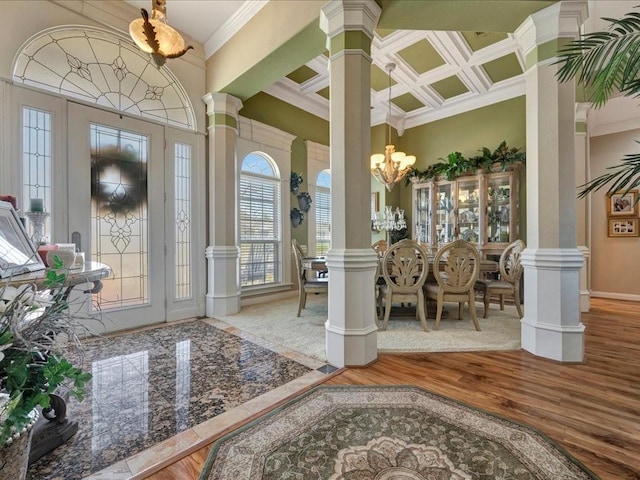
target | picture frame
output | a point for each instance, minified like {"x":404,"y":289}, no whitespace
{"x":622,"y":204}
{"x":624,"y":227}
{"x":18,"y":255}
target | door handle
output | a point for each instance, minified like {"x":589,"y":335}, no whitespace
{"x":77,"y":239}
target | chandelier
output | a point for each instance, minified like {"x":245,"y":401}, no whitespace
{"x":153,"y":34}
{"x":390,"y":167}
{"x":389,"y":219}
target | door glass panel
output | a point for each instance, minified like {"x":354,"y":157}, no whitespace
{"x":469,"y":210}
{"x":119,"y":213}
{"x":183,"y":220}
{"x":445,"y":213}
{"x":498,"y":213}
{"x":36,"y":168}
{"x":423,"y":215}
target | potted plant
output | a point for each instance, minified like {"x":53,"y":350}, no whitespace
{"x":35,"y":330}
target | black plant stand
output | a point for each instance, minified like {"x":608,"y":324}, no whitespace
{"x":52,"y":429}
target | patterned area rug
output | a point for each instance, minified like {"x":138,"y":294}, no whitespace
{"x":277,"y":323}
{"x":385,"y":433}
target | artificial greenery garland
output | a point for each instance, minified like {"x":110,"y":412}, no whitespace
{"x":456,"y":164}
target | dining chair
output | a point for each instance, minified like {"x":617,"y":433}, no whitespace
{"x":380,"y":247}
{"x":509,"y":282}
{"x":456,"y":267}
{"x":405,"y":268}
{"x":305,"y":286}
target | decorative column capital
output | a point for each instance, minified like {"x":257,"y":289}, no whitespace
{"x":222,"y":109}
{"x":539,"y":34}
{"x":341,"y":18}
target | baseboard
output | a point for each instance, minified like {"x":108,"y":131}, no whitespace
{"x":264,"y":297}
{"x":616,"y":296}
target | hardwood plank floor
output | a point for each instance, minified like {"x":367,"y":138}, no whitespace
{"x":591,"y":409}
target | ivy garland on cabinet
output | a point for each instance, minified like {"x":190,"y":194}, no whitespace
{"x":456,"y":164}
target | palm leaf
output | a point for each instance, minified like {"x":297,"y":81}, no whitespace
{"x":605,"y":62}
{"x":623,"y":177}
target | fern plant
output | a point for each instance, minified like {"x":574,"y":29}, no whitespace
{"x":605,"y":63}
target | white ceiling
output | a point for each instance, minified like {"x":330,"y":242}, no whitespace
{"x":210,"y":22}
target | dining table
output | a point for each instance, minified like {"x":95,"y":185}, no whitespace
{"x":320,"y":264}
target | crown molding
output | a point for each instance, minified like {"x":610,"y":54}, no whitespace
{"x":245,"y":13}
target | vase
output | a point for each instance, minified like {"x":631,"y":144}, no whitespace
{"x":14,"y":456}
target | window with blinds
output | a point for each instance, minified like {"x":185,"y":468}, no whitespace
{"x":323,"y":212}
{"x":260,"y":222}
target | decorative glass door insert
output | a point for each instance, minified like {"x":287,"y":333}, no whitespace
{"x":119,"y":213}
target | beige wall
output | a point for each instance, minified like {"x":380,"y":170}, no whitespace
{"x":615,"y":263}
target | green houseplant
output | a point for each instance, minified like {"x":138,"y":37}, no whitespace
{"x":37,"y":328}
{"x":607,"y":63}
{"x":456,"y":164}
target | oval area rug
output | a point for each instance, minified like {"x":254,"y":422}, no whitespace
{"x":384,"y":433}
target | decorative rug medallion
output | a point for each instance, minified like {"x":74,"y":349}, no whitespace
{"x":386,"y":433}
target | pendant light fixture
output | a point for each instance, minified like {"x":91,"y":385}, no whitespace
{"x":153,"y":34}
{"x":390,"y":167}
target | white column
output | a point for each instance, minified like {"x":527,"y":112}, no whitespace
{"x":551,"y":326}
{"x":351,"y":329}
{"x":583,"y":204}
{"x":223,"y":253}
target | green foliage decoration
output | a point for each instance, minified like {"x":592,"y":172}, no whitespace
{"x":32,"y":359}
{"x":605,"y":63}
{"x":456,"y":164}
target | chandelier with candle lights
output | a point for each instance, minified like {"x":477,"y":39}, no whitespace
{"x":390,"y":167}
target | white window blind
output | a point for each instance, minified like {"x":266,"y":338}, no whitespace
{"x":260,"y":223}
{"x":323,"y":213}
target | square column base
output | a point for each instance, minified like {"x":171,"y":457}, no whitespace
{"x":351,"y":330}
{"x":223,"y":292}
{"x":551,"y":326}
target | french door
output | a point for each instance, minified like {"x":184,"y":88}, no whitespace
{"x":116,"y":211}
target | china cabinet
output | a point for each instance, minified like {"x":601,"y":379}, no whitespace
{"x":481,"y":208}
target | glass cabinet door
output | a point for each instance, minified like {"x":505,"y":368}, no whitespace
{"x":499,"y":193}
{"x":422,"y":215}
{"x":469,"y":210}
{"x":445,"y":213}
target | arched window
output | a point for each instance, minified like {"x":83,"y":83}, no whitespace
{"x":260,"y":224}
{"x":323,"y":212}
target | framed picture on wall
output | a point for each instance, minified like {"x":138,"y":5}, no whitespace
{"x":623,"y":204}
{"x":623,"y":227}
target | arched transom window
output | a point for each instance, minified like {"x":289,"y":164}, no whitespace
{"x":105,"y":69}
{"x":260,"y":222}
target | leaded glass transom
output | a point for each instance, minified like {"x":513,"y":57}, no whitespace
{"x":106,"y":69}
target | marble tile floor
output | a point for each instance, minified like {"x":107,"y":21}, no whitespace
{"x":162,"y":392}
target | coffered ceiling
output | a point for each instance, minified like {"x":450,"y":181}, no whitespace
{"x":437,"y":74}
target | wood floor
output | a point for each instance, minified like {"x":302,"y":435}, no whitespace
{"x":590,"y":409}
